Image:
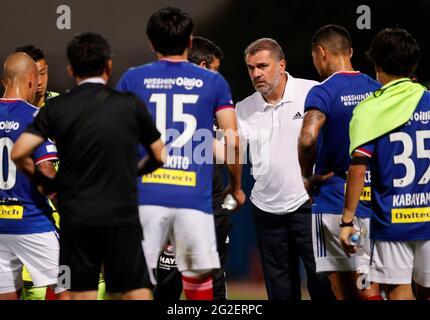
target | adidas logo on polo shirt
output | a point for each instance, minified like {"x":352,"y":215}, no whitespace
{"x":298,"y":115}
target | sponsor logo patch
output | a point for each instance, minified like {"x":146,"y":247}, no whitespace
{"x":410,"y":215}
{"x":173,"y":177}
{"x":11,"y":212}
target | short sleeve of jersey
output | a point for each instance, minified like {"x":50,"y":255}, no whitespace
{"x":148,"y":131}
{"x":317,"y":98}
{"x":223,"y":95}
{"x":46,"y":151}
{"x":366,"y":149}
{"x":40,"y":125}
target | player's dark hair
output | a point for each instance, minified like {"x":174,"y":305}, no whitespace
{"x":35,"y":53}
{"x":204,"y":50}
{"x":88,"y":54}
{"x":169,"y":31}
{"x":334,"y":38}
{"x":395,"y":51}
{"x":265,"y":44}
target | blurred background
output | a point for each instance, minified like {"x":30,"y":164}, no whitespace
{"x":231,"y":24}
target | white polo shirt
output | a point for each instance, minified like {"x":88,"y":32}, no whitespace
{"x":272,"y":132}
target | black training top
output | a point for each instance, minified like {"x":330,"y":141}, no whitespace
{"x":97,"y":131}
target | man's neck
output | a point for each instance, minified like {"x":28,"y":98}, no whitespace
{"x":340,"y":64}
{"x":39,"y":101}
{"x":274,"y":97}
{"x":386,"y":78}
{"x":15,"y":93}
{"x":103,"y":76}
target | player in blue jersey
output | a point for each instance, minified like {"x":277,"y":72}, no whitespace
{"x":27,"y":233}
{"x":390,"y":131}
{"x":176,"y":200}
{"x":207,"y":55}
{"x":29,"y":292}
{"x":324,"y":142}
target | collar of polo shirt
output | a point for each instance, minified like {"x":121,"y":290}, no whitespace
{"x":288,"y":96}
{"x":92,"y":80}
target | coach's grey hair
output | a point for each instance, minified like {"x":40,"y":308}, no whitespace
{"x":265,"y":44}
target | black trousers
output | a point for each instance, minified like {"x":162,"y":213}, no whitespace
{"x":282,"y":240}
{"x":117,"y":248}
{"x":169,"y":279}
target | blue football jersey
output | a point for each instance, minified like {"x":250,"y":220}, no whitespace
{"x":182,"y":99}
{"x":23,"y":209}
{"x":337,"y":97}
{"x":400,"y":165}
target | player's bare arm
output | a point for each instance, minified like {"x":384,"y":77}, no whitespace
{"x":311,"y":127}
{"x":22,"y":150}
{"x":354,"y":188}
{"x":47,"y":169}
{"x":307,"y":148}
{"x":219,"y":151}
{"x":227,"y":122}
{"x":21,"y":155}
{"x":155,"y":158}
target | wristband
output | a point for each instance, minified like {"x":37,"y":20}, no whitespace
{"x":359,"y":161}
{"x":346,"y":224}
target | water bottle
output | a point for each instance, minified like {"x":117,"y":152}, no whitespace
{"x":359,"y":238}
{"x":356,"y":240}
{"x":229,"y":203}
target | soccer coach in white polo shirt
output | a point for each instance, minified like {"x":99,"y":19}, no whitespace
{"x":270,"y":121}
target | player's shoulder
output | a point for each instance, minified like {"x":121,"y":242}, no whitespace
{"x":191,"y":75}
{"x":348,"y":79}
{"x":138,"y":70}
{"x":20,"y":106}
{"x":369,"y":80}
{"x":202,"y":71}
{"x":336,"y":82}
{"x":180,"y":72}
{"x":426,"y":97}
{"x":206,"y":76}
{"x":332,"y":82}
